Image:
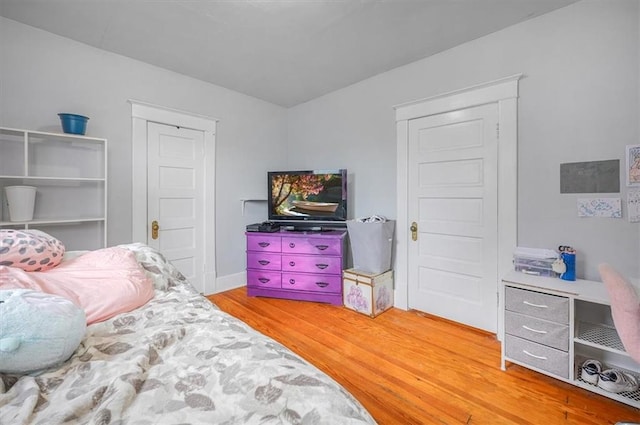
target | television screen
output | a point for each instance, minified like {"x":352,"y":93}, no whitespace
{"x":313,"y":195}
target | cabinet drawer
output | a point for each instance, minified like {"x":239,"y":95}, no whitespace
{"x":537,"y":355}
{"x":536,"y":304}
{"x":312,"y":245}
{"x":263,"y":261}
{"x":312,"y":282}
{"x":541,"y":331}
{"x":312,"y":264}
{"x":263,"y":243}
{"x":263,"y":279}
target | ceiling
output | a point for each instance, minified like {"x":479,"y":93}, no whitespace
{"x":282,"y":51}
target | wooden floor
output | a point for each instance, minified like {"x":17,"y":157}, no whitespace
{"x":412,"y":368}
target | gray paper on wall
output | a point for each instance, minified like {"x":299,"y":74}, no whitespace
{"x":590,"y":177}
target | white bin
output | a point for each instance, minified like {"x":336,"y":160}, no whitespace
{"x":21,"y":201}
{"x":371,"y":244}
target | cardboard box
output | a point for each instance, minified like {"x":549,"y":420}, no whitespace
{"x":367,"y":293}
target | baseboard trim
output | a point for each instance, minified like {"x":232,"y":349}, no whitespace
{"x":232,"y":281}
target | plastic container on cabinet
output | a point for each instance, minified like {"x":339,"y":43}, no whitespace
{"x":535,"y":261}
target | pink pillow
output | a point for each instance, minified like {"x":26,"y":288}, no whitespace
{"x":29,"y":250}
{"x":625,"y":309}
{"x":104,"y":282}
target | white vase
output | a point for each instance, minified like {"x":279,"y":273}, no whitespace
{"x":21,"y":201}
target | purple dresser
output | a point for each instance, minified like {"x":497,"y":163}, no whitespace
{"x":296,"y":265}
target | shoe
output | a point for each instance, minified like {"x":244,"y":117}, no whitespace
{"x":591,"y":371}
{"x":617,"y":381}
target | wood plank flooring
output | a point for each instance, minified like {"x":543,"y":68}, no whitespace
{"x":408,"y":367}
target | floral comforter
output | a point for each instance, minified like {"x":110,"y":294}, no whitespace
{"x":177,"y":360}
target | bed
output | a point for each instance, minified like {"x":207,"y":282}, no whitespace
{"x":177,"y":359}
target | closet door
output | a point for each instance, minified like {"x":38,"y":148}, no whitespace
{"x":175,"y":161}
{"x":452,"y":198}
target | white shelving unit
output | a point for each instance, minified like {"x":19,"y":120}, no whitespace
{"x":591,"y":335}
{"x":70,"y":176}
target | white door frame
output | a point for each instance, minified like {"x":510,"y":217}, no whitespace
{"x":141,"y":113}
{"x":504,"y":92}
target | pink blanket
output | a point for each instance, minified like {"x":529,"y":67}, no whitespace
{"x":104,"y":282}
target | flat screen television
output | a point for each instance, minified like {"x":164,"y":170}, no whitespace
{"x":307,"y":196}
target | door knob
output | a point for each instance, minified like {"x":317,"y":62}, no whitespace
{"x":414,"y":231}
{"x":154,"y":229}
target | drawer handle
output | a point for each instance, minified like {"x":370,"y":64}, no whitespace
{"x":263,"y":244}
{"x":322,"y":266}
{"x":264,"y":262}
{"x":292,"y":281}
{"x":322,"y":247}
{"x":292,"y":263}
{"x":322,"y":284}
{"x":263,"y":279}
{"x":533,"y":355}
{"x":535,"y":305}
{"x":292,"y":245}
{"x":533,"y":330}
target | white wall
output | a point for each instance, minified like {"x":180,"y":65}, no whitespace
{"x":578,"y":102}
{"x":42,"y":74}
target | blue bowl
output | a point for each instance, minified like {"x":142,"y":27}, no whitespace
{"x":73,"y":124}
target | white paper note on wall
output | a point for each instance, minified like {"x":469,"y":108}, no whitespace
{"x":633,"y":205}
{"x":600,"y":207}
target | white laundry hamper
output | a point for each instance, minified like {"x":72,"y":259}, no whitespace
{"x":371,"y":245}
{"x":21,"y":201}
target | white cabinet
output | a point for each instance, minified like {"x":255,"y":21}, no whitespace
{"x":70,"y":176}
{"x":553,"y":326}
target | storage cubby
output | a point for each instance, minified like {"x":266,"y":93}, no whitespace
{"x":70,"y":176}
{"x":596,"y":338}
{"x":12,"y":146}
{"x":592,"y":334}
{"x":65,"y":157}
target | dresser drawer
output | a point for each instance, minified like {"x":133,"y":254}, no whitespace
{"x":536,"y":304}
{"x":537,"y":355}
{"x":263,"y":261}
{"x":541,"y":331}
{"x":312,"y":282}
{"x":312,"y":264}
{"x":265,"y":243}
{"x":263,"y":279}
{"x":311,"y":245}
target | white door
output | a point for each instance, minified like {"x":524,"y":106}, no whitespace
{"x":452,"y":197}
{"x":175,"y":197}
